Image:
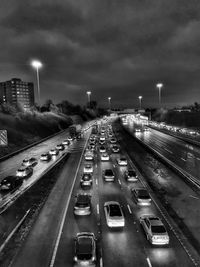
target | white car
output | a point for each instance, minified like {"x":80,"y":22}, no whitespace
{"x":66,"y":142}
{"x":114,"y":214}
{"x":113,"y":140}
{"x":102,"y":149}
{"x":54,"y":152}
{"x":88,"y":168}
{"x":102,"y":138}
{"x":29,"y":162}
{"x":122,"y":161}
{"x":155,"y":230}
{"x":24,"y":172}
{"x":105,"y":157}
{"x":45,"y":157}
{"x":89,"y":155}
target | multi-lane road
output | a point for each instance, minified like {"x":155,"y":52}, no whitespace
{"x":50,"y":241}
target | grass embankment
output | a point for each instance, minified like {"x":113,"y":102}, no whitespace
{"x":26,"y":128}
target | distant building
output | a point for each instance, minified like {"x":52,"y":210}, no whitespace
{"x":16,"y":92}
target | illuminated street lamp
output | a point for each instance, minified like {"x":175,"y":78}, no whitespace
{"x":159,"y":86}
{"x":140,"y":101}
{"x":37,"y":65}
{"x":89,"y":100}
{"x":109,"y":102}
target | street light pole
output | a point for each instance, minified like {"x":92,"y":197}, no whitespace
{"x":159,"y":86}
{"x":109,"y":102}
{"x":140,"y":101}
{"x":37,"y":65}
{"x":89,"y":100}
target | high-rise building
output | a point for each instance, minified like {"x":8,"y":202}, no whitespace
{"x":16,"y":92}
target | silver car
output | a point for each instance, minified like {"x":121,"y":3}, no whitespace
{"x":82,"y":205}
{"x":114,"y":214}
{"x":155,"y":230}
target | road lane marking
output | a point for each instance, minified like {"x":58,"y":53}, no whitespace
{"x":183,"y":159}
{"x":149,"y":262}
{"x":129,"y":208}
{"x":119,"y":182}
{"x":97,"y":208}
{"x":193,"y":196}
{"x":101,"y":262}
{"x":96,"y":182}
{"x":168,"y":150}
{"x":65,"y":211}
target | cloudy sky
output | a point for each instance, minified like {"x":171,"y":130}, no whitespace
{"x":113,"y":48}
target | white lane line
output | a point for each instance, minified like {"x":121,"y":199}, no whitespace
{"x":119,"y":182}
{"x":97,"y":208}
{"x":183,"y":159}
{"x":65,"y":211}
{"x":129,"y":209}
{"x":193,"y":196}
{"x":101,"y":262}
{"x":96,"y":182}
{"x":149,"y":262}
{"x":168,"y":150}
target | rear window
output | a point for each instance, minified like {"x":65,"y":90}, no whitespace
{"x":158,"y":229}
{"x":115,"y":211}
{"x":109,"y":172}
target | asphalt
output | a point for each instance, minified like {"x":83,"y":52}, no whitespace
{"x":51,"y":238}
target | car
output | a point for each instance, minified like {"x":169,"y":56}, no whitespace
{"x":115,"y":149}
{"x":122,"y":161}
{"x":54,"y":152}
{"x":137,"y":130}
{"x":70,"y":138}
{"x":130,"y":175}
{"x":102,"y":142}
{"x":88,"y":168}
{"x":45,"y":157}
{"x":83,"y":204}
{"x":10,"y":183}
{"x":113,"y":140}
{"x":102,"y":138}
{"x":146,"y":129}
{"x":105,"y":157}
{"x":114,"y":214}
{"x":85,"y":249}
{"x":24,"y":172}
{"x":154,"y":229}
{"x":29,"y":162}
{"x":102,"y":149}
{"x":108,"y":175}
{"x":60,"y":147}
{"x":141,"y":196}
{"x":86,"y":180}
{"x":66,"y":142}
{"x":89,"y":155}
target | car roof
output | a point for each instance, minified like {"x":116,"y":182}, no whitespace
{"x":83,"y":198}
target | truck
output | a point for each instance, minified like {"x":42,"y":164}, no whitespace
{"x":75,"y":130}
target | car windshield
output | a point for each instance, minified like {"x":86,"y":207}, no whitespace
{"x":109,"y":172}
{"x":86,"y":177}
{"x":115,"y":211}
{"x":143,"y":194}
{"x":131,"y":173}
{"x":82,"y":200}
{"x":158,"y":229}
{"x":84,"y":248}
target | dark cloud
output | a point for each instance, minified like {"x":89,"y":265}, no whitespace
{"x":115,"y":48}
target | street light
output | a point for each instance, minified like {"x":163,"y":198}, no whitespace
{"x":37,"y":65}
{"x":159,"y":86}
{"x":109,"y":102}
{"x":140,"y":101}
{"x":89,"y":94}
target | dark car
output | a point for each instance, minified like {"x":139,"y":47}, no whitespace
{"x":109,"y":175}
{"x":85,"y":249}
{"x":10,"y":183}
{"x":83,"y":204}
{"x":86,"y":180}
{"x":131,"y":175}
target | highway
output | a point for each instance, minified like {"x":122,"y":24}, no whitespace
{"x":185,"y":156}
{"x":50,"y":241}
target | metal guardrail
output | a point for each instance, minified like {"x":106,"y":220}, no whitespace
{"x":176,"y":168}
